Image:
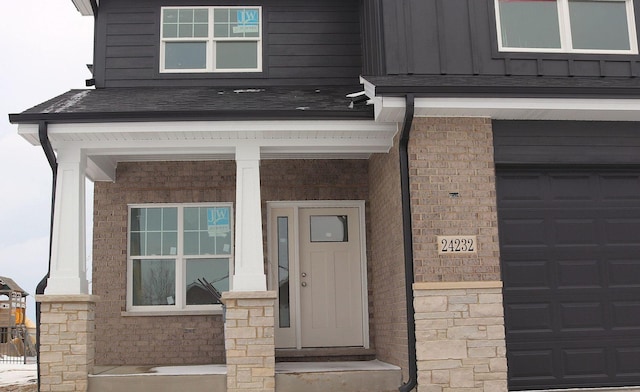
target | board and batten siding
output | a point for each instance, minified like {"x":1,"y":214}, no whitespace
{"x":458,"y":37}
{"x":304,"y":43}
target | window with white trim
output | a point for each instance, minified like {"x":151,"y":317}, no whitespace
{"x":175,"y":252}
{"x":566,"y":26}
{"x":211,"y":39}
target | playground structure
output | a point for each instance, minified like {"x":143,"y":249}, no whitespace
{"x":16,"y":343}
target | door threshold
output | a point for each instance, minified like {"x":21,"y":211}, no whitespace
{"x":325,"y":354}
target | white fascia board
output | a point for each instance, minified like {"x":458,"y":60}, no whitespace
{"x":221,"y":131}
{"x":569,"y":109}
{"x":84,"y":7}
{"x":219,"y":126}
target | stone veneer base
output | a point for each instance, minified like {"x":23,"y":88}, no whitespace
{"x":67,"y":350}
{"x":460,"y":336}
{"x":249,"y":340}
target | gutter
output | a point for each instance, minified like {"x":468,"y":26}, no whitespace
{"x":43,"y":134}
{"x":198,"y":115}
{"x":408,"y":243}
{"x":94,"y":7}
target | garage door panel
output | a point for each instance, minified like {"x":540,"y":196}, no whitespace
{"x":572,"y":187}
{"x":570,"y":257}
{"x":579,"y":274}
{"x":527,"y":275}
{"x":620,"y":187}
{"x":582,"y":316}
{"x":626,"y":315}
{"x":627,"y":360}
{"x":576,"y":231}
{"x":522,"y":231}
{"x":622,"y":231}
{"x":527,"y":366}
{"x":530,"y":317}
{"x":585,"y":363}
{"x":624,"y":273}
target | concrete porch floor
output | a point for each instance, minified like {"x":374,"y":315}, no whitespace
{"x":356,"y":376}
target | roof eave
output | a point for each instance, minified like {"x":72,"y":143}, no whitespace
{"x":86,"y":7}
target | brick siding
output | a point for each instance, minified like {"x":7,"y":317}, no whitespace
{"x":167,"y":340}
{"x":453,"y":155}
{"x":173,"y":340}
{"x":387,"y":259}
{"x":458,"y":298}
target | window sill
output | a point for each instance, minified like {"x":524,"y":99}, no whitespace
{"x":162,"y":313}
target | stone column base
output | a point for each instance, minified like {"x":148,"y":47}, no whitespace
{"x":460,"y":336}
{"x":67,"y":347}
{"x":249,"y":340}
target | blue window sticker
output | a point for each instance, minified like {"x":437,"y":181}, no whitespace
{"x":218,"y":221}
{"x":248,"y":21}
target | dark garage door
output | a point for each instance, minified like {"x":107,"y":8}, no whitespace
{"x":570,"y":251}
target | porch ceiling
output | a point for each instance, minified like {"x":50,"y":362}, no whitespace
{"x":106,"y":144}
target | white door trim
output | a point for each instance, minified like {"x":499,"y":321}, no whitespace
{"x":296,"y":206}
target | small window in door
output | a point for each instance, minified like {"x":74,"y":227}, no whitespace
{"x":329,"y":228}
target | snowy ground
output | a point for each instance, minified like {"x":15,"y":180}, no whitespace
{"x":17,"y":374}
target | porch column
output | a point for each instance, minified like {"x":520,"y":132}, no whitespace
{"x":249,"y":258}
{"x":68,"y":260}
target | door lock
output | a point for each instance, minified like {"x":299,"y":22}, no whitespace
{"x":304,"y":274}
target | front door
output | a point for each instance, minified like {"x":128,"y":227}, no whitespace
{"x":316,"y":253}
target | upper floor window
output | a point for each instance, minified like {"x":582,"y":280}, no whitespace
{"x":211,"y":39}
{"x":570,"y":26}
{"x":174,"y":252}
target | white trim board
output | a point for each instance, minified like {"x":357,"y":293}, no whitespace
{"x":391,"y":109}
{"x":106,"y":144}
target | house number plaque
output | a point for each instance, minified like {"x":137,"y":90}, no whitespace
{"x":457,"y":244}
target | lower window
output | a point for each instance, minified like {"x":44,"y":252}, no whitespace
{"x":180,"y":257}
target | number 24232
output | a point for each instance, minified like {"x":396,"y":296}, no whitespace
{"x":457,"y":245}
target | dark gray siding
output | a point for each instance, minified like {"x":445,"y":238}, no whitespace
{"x":566,"y":142}
{"x":313,"y":42}
{"x":372,"y":38}
{"x":458,"y":37}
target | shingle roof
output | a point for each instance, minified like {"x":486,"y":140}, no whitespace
{"x":169,"y":103}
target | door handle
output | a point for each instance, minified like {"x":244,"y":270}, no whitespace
{"x":304,"y":284}
{"x":304,"y":274}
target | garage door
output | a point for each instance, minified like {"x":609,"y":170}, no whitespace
{"x":570,"y":253}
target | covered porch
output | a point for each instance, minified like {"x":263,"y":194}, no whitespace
{"x":142,"y":158}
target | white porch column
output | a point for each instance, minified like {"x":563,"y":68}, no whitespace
{"x":68,"y":259}
{"x":249,"y":258}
